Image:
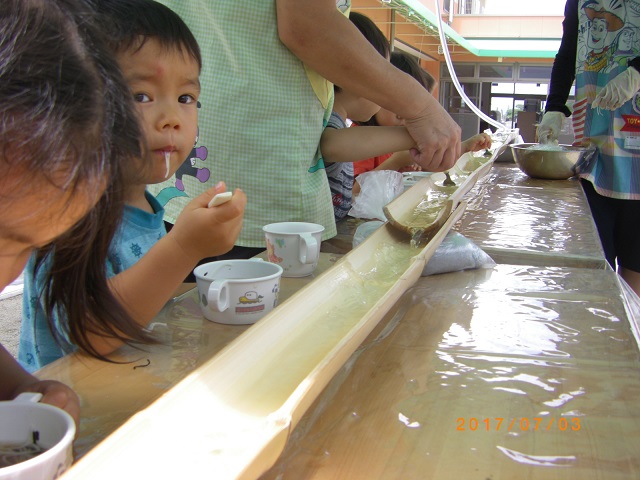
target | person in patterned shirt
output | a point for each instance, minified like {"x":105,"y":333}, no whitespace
{"x":599,"y":53}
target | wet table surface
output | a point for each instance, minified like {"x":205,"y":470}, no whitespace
{"x":421,"y":397}
{"x":527,"y":221}
{"x":506,"y":373}
{"x":111,"y":393}
{"x":518,"y":220}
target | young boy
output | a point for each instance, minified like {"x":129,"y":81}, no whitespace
{"x":341,"y":146}
{"x":160,"y":60}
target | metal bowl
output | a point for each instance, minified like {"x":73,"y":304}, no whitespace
{"x":549,"y":164}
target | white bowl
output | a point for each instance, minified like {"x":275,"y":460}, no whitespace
{"x":55,"y":428}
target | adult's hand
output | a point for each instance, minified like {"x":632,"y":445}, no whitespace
{"x":618,"y":91}
{"x":437,"y":138}
{"x":550,"y":127}
{"x":325,"y":40}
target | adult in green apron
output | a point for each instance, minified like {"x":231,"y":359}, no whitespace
{"x":264,"y":107}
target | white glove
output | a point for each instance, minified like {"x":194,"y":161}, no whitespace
{"x":550,"y":126}
{"x":618,"y":91}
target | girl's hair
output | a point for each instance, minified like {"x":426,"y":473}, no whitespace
{"x":53,"y":116}
{"x":130,"y":23}
{"x":66,"y":110}
{"x":371,"y":32}
{"x":410,"y":65}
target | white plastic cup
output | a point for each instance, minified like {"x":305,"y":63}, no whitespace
{"x":19,"y":419}
{"x":295,"y":246}
{"x":237,"y":292}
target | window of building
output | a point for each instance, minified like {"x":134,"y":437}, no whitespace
{"x":463,"y":70}
{"x":489,"y":71}
{"x":534,"y":72}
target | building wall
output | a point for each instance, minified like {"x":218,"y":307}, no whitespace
{"x":488,"y":26}
{"x":469,"y":26}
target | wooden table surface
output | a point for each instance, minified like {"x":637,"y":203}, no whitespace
{"x":111,"y":393}
{"x":547,"y":334}
{"x":507,"y":373}
{"x":527,"y":221}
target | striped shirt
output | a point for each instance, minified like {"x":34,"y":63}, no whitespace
{"x":340,"y":175}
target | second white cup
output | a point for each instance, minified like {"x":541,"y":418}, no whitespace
{"x":237,"y":292}
{"x":295,"y":246}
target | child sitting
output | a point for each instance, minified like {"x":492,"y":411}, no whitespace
{"x":341,"y":146}
{"x":64,"y":105}
{"x":160,"y":60}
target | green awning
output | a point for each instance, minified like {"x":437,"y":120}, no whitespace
{"x":415,"y":12}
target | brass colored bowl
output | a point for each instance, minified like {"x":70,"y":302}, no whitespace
{"x":549,"y":164}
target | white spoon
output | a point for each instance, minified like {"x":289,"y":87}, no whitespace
{"x":220,"y":198}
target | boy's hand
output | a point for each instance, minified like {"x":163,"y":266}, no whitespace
{"x":207,"y":232}
{"x":480,"y":141}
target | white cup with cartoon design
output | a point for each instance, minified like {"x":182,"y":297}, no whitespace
{"x":295,"y":246}
{"x":237,"y":292}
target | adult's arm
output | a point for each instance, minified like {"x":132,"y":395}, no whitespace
{"x":354,"y":144}
{"x":563,"y":72}
{"x":324,"y":39}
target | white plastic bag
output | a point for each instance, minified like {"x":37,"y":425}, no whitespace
{"x":455,"y":253}
{"x":364,"y":230}
{"x":377,"y":188}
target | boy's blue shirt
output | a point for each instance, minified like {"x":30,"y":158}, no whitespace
{"x":138,"y":232}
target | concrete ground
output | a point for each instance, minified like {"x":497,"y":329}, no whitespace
{"x":10,"y":316}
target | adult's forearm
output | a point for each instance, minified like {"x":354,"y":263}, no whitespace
{"x":324,"y":39}
{"x":354,"y":144}
{"x":563,"y":71}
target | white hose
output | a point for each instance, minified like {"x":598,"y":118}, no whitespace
{"x":447,"y":57}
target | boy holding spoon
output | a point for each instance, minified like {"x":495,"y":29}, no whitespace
{"x":160,"y":60}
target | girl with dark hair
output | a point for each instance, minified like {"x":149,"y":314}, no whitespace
{"x":67,"y":127}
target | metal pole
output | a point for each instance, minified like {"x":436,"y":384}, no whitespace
{"x":392,"y":33}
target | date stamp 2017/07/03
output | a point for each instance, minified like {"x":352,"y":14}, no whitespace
{"x":522,"y":424}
